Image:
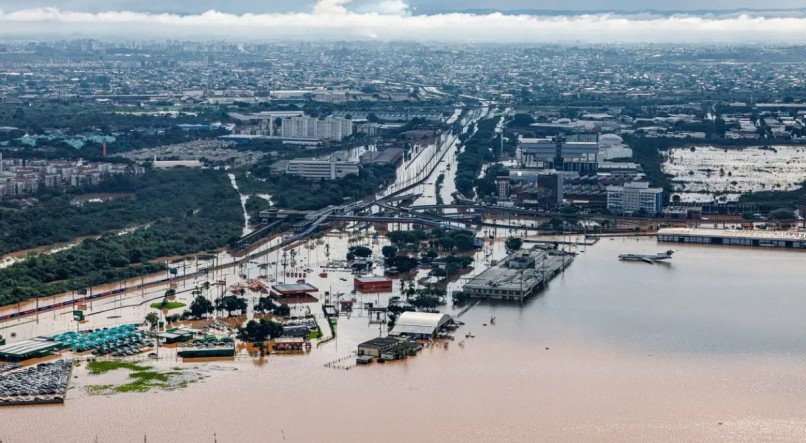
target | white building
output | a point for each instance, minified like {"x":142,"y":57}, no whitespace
{"x":419,"y":325}
{"x":612,"y":146}
{"x":328,"y":169}
{"x":311,"y":128}
{"x":634,"y":197}
{"x":260,"y":123}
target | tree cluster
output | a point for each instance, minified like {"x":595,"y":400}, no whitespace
{"x":266,"y":304}
{"x":205,"y":216}
{"x":262,"y":330}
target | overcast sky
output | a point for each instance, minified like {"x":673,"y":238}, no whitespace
{"x":429,"y":6}
{"x":421,"y":20}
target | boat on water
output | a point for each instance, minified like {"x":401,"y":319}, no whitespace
{"x":647,"y":258}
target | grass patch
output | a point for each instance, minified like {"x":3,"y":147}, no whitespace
{"x":145,"y":380}
{"x":142,"y":378}
{"x":168,"y":305}
{"x":100,"y":367}
{"x":313,"y":335}
{"x":98,"y":389}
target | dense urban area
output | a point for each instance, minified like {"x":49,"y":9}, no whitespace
{"x":162,"y":202}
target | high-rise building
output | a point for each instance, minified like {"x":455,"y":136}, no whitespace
{"x":311,"y":128}
{"x":503,"y":187}
{"x":634,"y":197}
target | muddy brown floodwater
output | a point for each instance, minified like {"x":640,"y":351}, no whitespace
{"x":711,"y":346}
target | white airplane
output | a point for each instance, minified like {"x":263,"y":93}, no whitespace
{"x":648,"y":258}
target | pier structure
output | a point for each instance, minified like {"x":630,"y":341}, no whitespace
{"x":519,"y":276}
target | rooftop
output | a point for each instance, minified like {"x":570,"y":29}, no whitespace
{"x":425,"y":323}
{"x":380,"y":343}
{"x":371,"y":279}
{"x":294,"y":287}
{"x":26,"y":347}
{"x":504,"y":277}
{"x":735,"y":233}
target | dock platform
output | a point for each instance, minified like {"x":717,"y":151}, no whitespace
{"x":519,"y":276}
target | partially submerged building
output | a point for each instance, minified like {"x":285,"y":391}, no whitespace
{"x":28,"y":349}
{"x":734,"y":237}
{"x":419,"y":325}
{"x":388,"y":348}
{"x":177,"y":335}
{"x":292,"y":290}
{"x":518,"y":276}
{"x":372,"y":284}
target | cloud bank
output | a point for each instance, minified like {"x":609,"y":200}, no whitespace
{"x":394,"y":20}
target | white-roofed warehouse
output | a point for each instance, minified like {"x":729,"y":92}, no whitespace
{"x":419,"y":324}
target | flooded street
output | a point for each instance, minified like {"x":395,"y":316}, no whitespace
{"x":710,"y":346}
{"x":243,"y":197}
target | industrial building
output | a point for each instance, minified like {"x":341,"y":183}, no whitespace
{"x":389,"y":156}
{"x":203,"y":348}
{"x":290,"y":344}
{"x":578,"y":153}
{"x":518,"y":276}
{"x":387,"y":348}
{"x":177,"y":335}
{"x":372,"y":284}
{"x":419,"y":325}
{"x":533,"y":188}
{"x":286,"y":290}
{"x":612,"y":146}
{"x":634,"y":197}
{"x":27,"y":349}
{"x":734,"y":237}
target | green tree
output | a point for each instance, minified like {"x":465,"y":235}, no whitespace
{"x":464,"y":242}
{"x":153,"y":319}
{"x":447,"y":243}
{"x":782,"y":214}
{"x":231,"y":303}
{"x":200,"y":307}
{"x":403,"y":263}
{"x":256,"y":331}
{"x":513,"y":243}
{"x":389,"y":251}
{"x":265,"y":304}
{"x":361,"y":251}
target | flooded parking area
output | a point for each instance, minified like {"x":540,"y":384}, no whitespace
{"x":706,"y":173}
{"x":38,"y":384}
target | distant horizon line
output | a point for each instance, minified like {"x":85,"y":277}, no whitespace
{"x":531,"y":11}
{"x":330,"y":20}
{"x":419,"y":11}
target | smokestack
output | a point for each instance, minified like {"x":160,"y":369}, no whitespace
{"x":103,"y":149}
